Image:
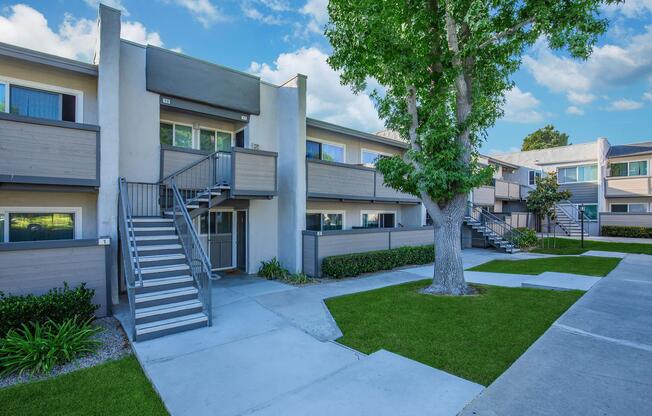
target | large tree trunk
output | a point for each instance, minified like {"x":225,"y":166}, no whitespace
{"x":448,"y":278}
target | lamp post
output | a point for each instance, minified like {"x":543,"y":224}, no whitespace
{"x":582,"y":224}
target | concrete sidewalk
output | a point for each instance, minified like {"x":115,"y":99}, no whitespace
{"x":595,"y":360}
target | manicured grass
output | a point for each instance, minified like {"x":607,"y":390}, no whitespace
{"x":585,"y":265}
{"x":115,"y":388}
{"x":566,"y":246}
{"x":474,"y":337}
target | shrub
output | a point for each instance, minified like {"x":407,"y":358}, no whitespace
{"x":57,"y":305}
{"x":39,"y":348}
{"x":272,"y":270}
{"x":623,"y":231}
{"x":298,"y":278}
{"x":527,"y":238}
{"x":349,"y":265}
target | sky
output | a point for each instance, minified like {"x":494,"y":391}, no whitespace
{"x":608,"y":95}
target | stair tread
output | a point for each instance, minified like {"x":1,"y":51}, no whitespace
{"x":162,"y":294}
{"x":166,"y":268}
{"x":154,"y":229}
{"x":167,"y":280}
{"x":154,"y":247}
{"x":155,"y":237}
{"x":151,"y":219}
{"x":167,"y":308}
{"x":165,"y":324}
{"x":162,"y":257}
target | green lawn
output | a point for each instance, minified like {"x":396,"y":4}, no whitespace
{"x":474,"y":337}
{"x":585,"y":265}
{"x":567,"y":246}
{"x":114,"y":388}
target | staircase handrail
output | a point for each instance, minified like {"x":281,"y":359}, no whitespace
{"x":509,"y":233}
{"x":574,"y":215}
{"x":194,"y":250}
{"x":127,"y":218}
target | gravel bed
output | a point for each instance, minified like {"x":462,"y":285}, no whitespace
{"x":114,"y":344}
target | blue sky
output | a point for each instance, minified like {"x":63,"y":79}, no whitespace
{"x":609,"y":95}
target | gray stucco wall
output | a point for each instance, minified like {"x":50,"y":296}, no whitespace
{"x":582,"y":193}
{"x":38,"y":270}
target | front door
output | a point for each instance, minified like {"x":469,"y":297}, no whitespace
{"x":221,"y":245}
{"x":241,"y":249}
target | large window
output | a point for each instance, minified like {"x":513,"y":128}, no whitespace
{"x":532,"y":177}
{"x":370,"y":157}
{"x":29,"y":99}
{"x":378,"y":219}
{"x":324,"y":221}
{"x":325,"y":151}
{"x":636,"y":168}
{"x":214,"y":140}
{"x":179,"y":135}
{"x":183,"y":135}
{"x":629,"y":208}
{"x":590,"y":211}
{"x":37,"y":225}
{"x":584,"y":173}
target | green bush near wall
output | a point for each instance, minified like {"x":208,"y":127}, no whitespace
{"x":58,"y":305}
{"x":623,"y":231}
{"x":349,"y":265}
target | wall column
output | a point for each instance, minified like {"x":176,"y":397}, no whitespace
{"x":602,"y":149}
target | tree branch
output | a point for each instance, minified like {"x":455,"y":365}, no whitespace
{"x":507,"y":32}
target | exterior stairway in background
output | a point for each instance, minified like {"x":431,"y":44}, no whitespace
{"x":496,"y":232}
{"x":567,"y":218}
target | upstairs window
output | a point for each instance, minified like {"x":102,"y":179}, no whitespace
{"x":584,"y":173}
{"x":178,"y":135}
{"x":532,"y":177}
{"x":638,"y":168}
{"x":370,"y":157}
{"x":214,"y":140}
{"x":330,"y":152}
{"x":3,"y":98}
{"x":38,"y":103}
{"x":621,"y":169}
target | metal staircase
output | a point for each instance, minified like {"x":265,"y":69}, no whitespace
{"x":568,"y":219}
{"x":496,"y":232}
{"x":167,"y":274}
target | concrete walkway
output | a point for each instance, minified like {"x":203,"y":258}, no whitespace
{"x":595,"y":360}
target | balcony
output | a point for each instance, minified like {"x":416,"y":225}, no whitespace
{"x":484,"y":195}
{"x":619,"y":187}
{"x":510,"y":191}
{"x":48,"y":152}
{"x":332,"y":180}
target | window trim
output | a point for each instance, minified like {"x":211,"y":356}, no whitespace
{"x":193,"y":139}
{"x":647,"y":162}
{"x":534,"y":176}
{"x":77,"y":211}
{"x":200,"y":128}
{"x":79,"y":95}
{"x":372,"y":211}
{"x":577,"y":173}
{"x":364,"y":149}
{"x":328,"y":211}
{"x":322,"y":142}
{"x":647,"y":207}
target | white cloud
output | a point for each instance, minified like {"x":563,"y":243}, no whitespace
{"x":317,"y":12}
{"x":648,"y":96}
{"x":574,"y":110}
{"x":74,"y":38}
{"x":580,"y":98}
{"x":624,"y":105}
{"x":251,"y":11}
{"x":203,"y":11}
{"x":327,"y":99}
{"x":521,"y":107}
{"x":116,"y":4}
{"x":631,"y":8}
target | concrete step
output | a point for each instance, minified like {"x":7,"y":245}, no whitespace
{"x":163,"y":297}
{"x":170,"y":310}
{"x":170,"y":326}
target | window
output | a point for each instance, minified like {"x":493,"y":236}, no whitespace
{"x":584,"y":173}
{"x":324,"y":151}
{"x":167,"y":134}
{"x":2,"y":227}
{"x":590,"y":211}
{"x":2,"y":99}
{"x":207,"y":140}
{"x":221,"y":222}
{"x":378,"y":219}
{"x":178,"y":135}
{"x":213,"y":140}
{"x":31,"y":102}
{"x":324,"y":221}
{"x":370,"y":157}
{"x":532,"y":175}
{"x":618,"y":207}
{"x":637,"y":168}
{"x":631,"y":208}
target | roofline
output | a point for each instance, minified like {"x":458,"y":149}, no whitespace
{"x":641,"y":153}
{"x":17,"y":52}
{"x":500,"y":162}
{"x":319,"y":124}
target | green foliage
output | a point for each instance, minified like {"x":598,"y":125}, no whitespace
{"x":272,"y":270}
{"x":541,"y":200}
{"x":582,"y":265}
{"x":444,"y":95}
{"x":57,"y":305}
{"x":527,"y":238}
{"x":297,"y":278}
{"x":39,"y":348}
{"x":570,"y":246}
{"x":545,"y":138}
{"x":349,"y":265}
{"x":624,"y":231}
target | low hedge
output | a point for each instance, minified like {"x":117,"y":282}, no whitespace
{"x":58,"y":305}
{"x":349,"y":265}
{"x":623,"y":231}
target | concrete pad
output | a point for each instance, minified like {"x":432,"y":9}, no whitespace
{"x":598,"y":253}
{"x":497,"y":279}
{"x":233,"y":378}
{"x":560,"y":281}
{"x":569,"y":374}
{"x":615,"y":309}
{"x":262,"y":287}
{"x":381,"y":384}
{"x":637,"y":267}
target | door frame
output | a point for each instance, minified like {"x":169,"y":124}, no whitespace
{"x":236,"y":240}
{"x":234,"y":237}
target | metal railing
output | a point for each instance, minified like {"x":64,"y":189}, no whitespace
{"x":572,"y":211}
{"x":495,"y":224}
{"x":200,"y":265}
{"x":130,"y":261}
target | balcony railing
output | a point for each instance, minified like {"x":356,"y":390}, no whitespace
{"x":39,"y":151}
{"x":628,"y":186}
{"x":507,"y":190}
{"x":333,"y":180}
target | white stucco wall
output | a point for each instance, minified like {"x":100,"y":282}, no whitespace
{"x":549,"y":159}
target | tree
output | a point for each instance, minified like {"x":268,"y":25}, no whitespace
{"x":541,"y":200}
{"x":444,"y":67}
{"x":545,"y":138}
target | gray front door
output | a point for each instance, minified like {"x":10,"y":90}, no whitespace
{"x":221,"y":250}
